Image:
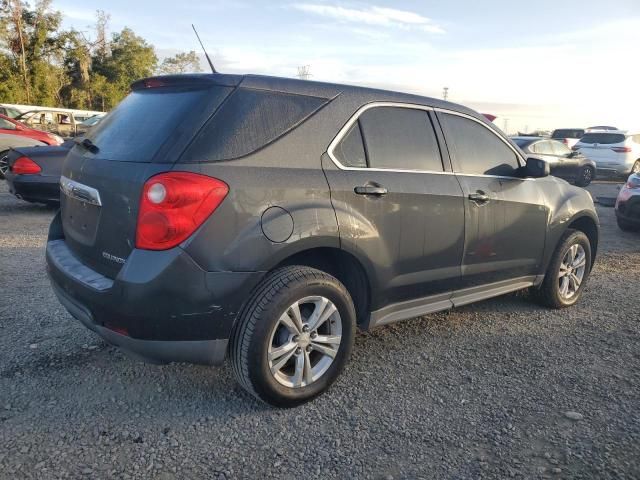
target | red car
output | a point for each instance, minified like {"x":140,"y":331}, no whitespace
{"x":10,"y":126}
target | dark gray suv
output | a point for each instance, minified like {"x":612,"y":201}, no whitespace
{"x":266,"y":219}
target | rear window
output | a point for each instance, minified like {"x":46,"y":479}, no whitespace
{"x":249,"y":120}
{"x":138,"y":127}
{"x":606,"y":138}
{"x":567,"y":133}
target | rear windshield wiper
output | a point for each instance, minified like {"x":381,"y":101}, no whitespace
{"x":86,"y":143}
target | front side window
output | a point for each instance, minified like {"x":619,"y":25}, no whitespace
{"x":476,"y":149}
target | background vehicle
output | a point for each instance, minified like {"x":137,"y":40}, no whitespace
{"x":83,"y":127}
{"x":564,"y":163}
{"x":9,"y":111}
{"x":264,"y":229}
{"x":7,"y":142}
{"x":600,"y":128}
{"x":628,"y":204}
{"x":568,"y":136}
{"x":34,"y":173}
{"x":59,"y":122}
{"x":616,"y":153}
{"x":10,"y":126}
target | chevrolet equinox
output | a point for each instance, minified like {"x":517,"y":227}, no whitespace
{"x":266,"y":219}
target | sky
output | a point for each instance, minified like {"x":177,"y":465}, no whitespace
{"x":542,"y":64}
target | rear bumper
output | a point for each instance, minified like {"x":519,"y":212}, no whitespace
{"x":34,"y":188}
{"x":161,"y":307}
{"x":629,"y":210}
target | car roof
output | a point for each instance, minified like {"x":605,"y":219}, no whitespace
{"x":304,"y":87}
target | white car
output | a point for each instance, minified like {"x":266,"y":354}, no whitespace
{"x":615,"y":152}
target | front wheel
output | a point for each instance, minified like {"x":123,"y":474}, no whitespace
{"x":568,"y":271}
{"x":586,"y":176}
{"x":294,"y":336}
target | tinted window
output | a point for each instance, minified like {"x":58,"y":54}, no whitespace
{"x":605,"y":138}
{"x":350,"y":151}
{"x":136,"y":129}
{"x":567,"y":133}
{"x":6,"y":124}
{"x":400,"y":138}
{"x":560,"y":149}
{"x":249,"y":120}
{"x":476,"y":149}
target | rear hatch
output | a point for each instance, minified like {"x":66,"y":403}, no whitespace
{"x":598,"y":147}
{"x":103,"y":175}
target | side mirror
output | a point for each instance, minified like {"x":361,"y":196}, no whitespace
{"x":536,"y":168}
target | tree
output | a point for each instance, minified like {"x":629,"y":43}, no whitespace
{"x":180,"y":63}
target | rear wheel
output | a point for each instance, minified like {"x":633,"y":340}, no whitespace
{"x":568,"y":271}
{"x":4,"y":163}
{"x":293,"y":337}
{"x":585,"y":176}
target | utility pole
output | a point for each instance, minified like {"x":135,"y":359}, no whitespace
{"x":445,"y":93}
{"x":304,"y":72}
{"x":506,"y":126}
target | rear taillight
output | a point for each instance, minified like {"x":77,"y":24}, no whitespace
{"x":174,"y":205}
{"x":565,"y":141}
{"x":621,"y":149}
{"x":25,"y":166}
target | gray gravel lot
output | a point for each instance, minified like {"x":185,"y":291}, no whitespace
{"x":499,"y":389}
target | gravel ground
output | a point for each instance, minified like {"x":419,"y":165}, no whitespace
{"x":499,"y":389}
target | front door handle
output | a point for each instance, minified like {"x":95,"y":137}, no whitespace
{"x":479,"y":197}
{"x":370,"y":190}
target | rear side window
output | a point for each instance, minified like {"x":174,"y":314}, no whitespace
{"x":247,"y":121}
{"x":400,"y":138}
{"x":136,"y":129}
{"x":606,"y":138}
{"x":350,"y":151}
{"x":476,"y":149}
{"x":560,"y":149}
{"x":543,"y":148}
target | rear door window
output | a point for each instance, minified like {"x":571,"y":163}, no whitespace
{"x":560,"y":149}
{"x":350,"y":151}
{"x":604,"y":138}
{"x":138,"y":127}
{"x":476,"y":149}
{"x":543,"y":148}
{"x":400,"y":139}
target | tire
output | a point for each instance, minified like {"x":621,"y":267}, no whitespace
{"x":550,"y":292}
{"x":627,"y":226}
{"x":586,"y":176}
{"x":261,"y":334}
{"x":4,"y":166}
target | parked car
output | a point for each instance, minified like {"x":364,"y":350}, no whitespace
{"x":600,"y":128}
{"x":34,"y":173}
{"x":564,"y":163}
{"x":568,"y":136}
{"x":59,"y":122}
{"x":285,"y":213}
{"x":9,"y":111}
{"x":628,"y":204}
{"x":7,"y":141}
{"x":10,"y":126}
{"x":616,"y":153}
{"x":84,"y":126}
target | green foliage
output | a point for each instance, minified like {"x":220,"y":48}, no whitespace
{"x":40,"y":63}
{"x":181,"y":63}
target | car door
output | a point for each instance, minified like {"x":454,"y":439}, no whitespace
{"x":397,"y":205}
{"x":505,"y":215}
{"x":567,"y":162}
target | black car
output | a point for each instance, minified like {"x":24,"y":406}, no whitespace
{"x":563,"y":162}
{"x":627,"y":205}
{"x":284,"y":214}
{"x":34,"y":172}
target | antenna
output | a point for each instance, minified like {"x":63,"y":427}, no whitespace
{"x":213,"y":69}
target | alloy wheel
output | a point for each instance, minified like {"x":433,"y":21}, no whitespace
{"x":587,"y":175}
{"x":304,"y":342}
{"x":4,"y":164}
{"x":572,"y":271}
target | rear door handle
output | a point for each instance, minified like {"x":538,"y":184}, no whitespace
{"x":370,"y":190}
{"x":479,"y":197}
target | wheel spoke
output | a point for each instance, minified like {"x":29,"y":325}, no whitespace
{"x":308,"y":375}
{"x":288,"y":322}
{"x":296,"y":316}
{"x":580,"y":260}
{"x":282,"y":362}
{"x":276,"y":353}
{"x":564,"y":286}
{"x":331,"y":352}
{"x":327,"y":339}
{"x":299,"y":371}
{"x":320,"y":315}
{"x":576,"y":281}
